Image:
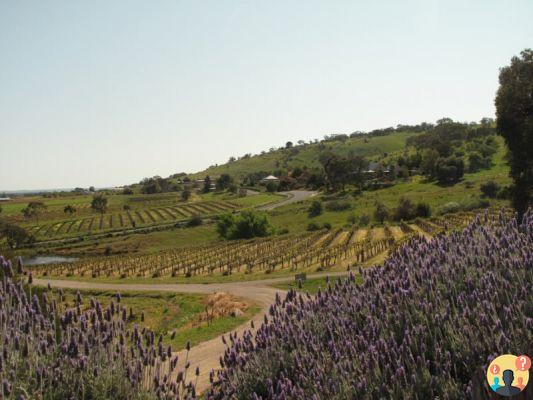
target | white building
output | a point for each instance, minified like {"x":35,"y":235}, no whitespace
{"x":270,"y":178}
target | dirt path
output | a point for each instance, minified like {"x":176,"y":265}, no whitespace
{"x":206,"y":354}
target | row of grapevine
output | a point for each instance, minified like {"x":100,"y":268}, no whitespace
{"x":297,"y":251}
{"x":128,"y":219}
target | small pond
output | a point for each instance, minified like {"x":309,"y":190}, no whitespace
{"x":43,"y":260}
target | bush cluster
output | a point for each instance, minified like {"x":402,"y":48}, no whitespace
{"x":245,"y":225}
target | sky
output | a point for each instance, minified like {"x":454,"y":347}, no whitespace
{"x":104,"y":93}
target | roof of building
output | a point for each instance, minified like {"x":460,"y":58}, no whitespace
{"x":270,"y":178}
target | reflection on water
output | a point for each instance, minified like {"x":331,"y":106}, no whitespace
{"x":43,"y":260}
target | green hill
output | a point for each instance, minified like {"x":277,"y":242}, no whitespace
{"x":307,"y":155}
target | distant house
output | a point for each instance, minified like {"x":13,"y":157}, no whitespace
{"x":373,"y":168}
{"x":380,"y":170}
{"x":270,"y":178}
{"x":5,"y":198}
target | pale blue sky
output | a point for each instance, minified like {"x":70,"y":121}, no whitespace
{"x":107,"y":92}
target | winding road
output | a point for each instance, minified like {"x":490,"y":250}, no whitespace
{"x":206,"y":354}
{"x":293,"y":196}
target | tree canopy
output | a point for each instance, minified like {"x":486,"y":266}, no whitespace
{"x":246,"y":225}
{"x":514,"y":112}
{"x":99,"y":203}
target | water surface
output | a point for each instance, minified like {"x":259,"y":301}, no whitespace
{"x":43,"y":260}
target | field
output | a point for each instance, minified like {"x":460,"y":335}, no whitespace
{"x":125,"y":214}
{"x":332,"y":250}
{"x":178,"y":317}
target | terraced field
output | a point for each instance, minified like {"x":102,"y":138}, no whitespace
{"x":160,"y":214}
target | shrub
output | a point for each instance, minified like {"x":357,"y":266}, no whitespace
{"x":405,"y":210}
{"x":381,"y":212}
{"x":352,"y":219}
{"x":99,"y":203}
{"x":424,"y":325}
{"x":245,"y":225}
{"x":326,"y":225}
{"x":315,"y":209}
{"x":313,"y":226}
{"x":423,"y":210}
{"x":504,"y":193}
{"x":185,"y":195}
{"x":490,"y":189}
{"x":338,"y":205}
{"x":449,"y":170}
{"x":271,"y":187}
{"x":15,"y":235}
{"x":364,"y":220}
{"x":476,"y":162}
{"x":196,"y":220}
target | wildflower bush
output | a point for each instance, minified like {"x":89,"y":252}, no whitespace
{"x":49,"y":351}
{"x":424,"y":325}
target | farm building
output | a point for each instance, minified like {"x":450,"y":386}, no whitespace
{"x":5,"y":198}
{"x":270,"y":178}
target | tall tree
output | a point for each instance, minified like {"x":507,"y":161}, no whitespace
{"x":514,"y":112}
{"x":223,"y":182}
{"x":207,"y":184}
{"x":33,"y":209}
{"x":99,"y":203}
{"x":185,"y":194}
{"x":15,"y":235}
{"x":340,"y":171}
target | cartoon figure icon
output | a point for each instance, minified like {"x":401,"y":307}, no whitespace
{"x":496,"y":384}
{"x":508,"y":375}
{"x":520,"y":383}
{"x":508,"y":390}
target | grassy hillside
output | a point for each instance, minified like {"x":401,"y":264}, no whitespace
{"x":295,"y":216}
{"x":307,"y":155}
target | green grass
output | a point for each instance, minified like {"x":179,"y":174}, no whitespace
{"x":165,"y":312}
{"x":258,"y":199}
{"x":246,"y":201}
{"x":311,"y":286}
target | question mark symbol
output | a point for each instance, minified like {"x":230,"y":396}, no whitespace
{"x":523,"y":363}
{"x":495,"y":369}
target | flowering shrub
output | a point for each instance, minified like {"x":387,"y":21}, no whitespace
{"x":51,"y":352}
{"x":425,"y":324}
